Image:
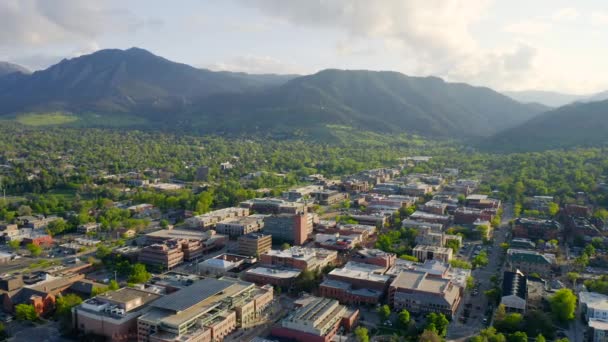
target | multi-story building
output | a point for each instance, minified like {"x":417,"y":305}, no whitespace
{"x":210,"y":219}
{"x":419,"y":292}
{"x":436,"y":227}
{"x":238,"y":226}
{"x":274,"y":206}
{"x":425,"y":252}
{"x":375,"y":257}
{"x":113,"y":314}
{"x":295,"y":228}
{"x":416,"y":189}
{"x":165,"y":256}
{"x":254,"y":244}
{"x":198,"y":241}
{"x":355,"y":283}
{"x":522,"y":243}
{"x":514,"y":291}
{"x":536,"y":229}
{"x":429,"y":218}
{"x":329,"y":197}
{"x":466,"y":215}
{"x":435,"y":207}
{"x":277,"y":276}
{"x":377,"y":220}
{"x":594,"y":308}
{"x":317,"y":320}
{"x":530,"y":262}
{"x":208,"y":310}
{"x":482,"y":202}
{"x":427,"y":237}
{"x":300,"y":258}
{"x":302,"y":192}
{"x":90,"y":227}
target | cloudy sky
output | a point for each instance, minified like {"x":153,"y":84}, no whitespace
{"x":557,"y":45}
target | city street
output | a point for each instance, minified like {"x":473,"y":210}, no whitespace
{"x":478,"y":304}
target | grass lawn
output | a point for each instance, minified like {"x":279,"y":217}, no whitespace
{"x":45,"y":119}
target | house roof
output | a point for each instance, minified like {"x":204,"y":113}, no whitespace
{"x":515,"y":284}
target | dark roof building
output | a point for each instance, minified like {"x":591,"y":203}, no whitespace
{"x":514,"y":291}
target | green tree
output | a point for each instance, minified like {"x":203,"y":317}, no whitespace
{"x":14,"y":244}
{"x":573,"y":277}
{"x":470,"y":282}
{"x":439,"y":322}
{"x":511,"y":323}
{"x":164,"y":223}
{"x":518,"y":336}
{"x":429,"y":336}
{"x":540,"y":338}
{"x":26,"y":312}
{"x":64,"y":305}
{"x":139,"y":274}
{"x":553,"y":208}
{"x":24,"y":210}
{"x":563,"y":305}
{"x":285,"y":246}
{"x":103,"y":251}
{"x":34,"y":249}
{"x":457,"y":263}
{"x":408,"y":257}
{"x":361,"y":334}
{"x":481,"y":259}
{"x":404,"y":317}
{"x":113,"y":286}
{"x":384,"y":312}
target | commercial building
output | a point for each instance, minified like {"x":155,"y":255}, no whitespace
{"x":329,"y":197}
{"x":536,"y":229}
{"x":338,"y":242}
{"x":522,"y":243}
{"x":408,"y":223}
{"x":514,"y":291}
{"x":300,"y":258}
{"x":466,"y":215}
{"x":375,"y":257}
{"x":254,"y":244}
{"x":293,"y":228}
{"x":427,"y":237}
{"x":594,"y":308}
{"x":302,"y":192}
{"x":419,"y":292}
{"x":425,"y":252}
{"x":210,"y":219}
{"x":223,"y":263}
{"x":530,"y":262}
{"x":238,"y":226}
{"x":193,"y":243}
{"x":277,"y":276}
{"x":274,"y":206}
{"x":207,"y":310}
{"x":482,"y":202}
{"x":355,"y":283}
{"x":317,"y":320}
{"x":90,"y":227}
{"x":377,"y":220}
{"x":165,"y":256}
{"x":113,"y":314}
{"x":429,"y":218}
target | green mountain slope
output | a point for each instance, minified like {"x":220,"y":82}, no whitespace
{"x":579,"y":124}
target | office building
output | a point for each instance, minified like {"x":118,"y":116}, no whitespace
{"x":254,"y":244}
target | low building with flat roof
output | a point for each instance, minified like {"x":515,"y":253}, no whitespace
{"x":113,"y":314}
{"x":530,"y":262}
{"x":210,"y":219}
{"x":418,"y":292}
{"x":355,"y":283}
{"x":237,"y":226}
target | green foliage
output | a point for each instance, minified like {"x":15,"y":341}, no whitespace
{"x":437,"y":322}
{"x":113,"y":286}
{"x":64,"y":305}
{"x":481,"y":259}
{"x":429,"y":335}
{"x":139,"y":274}
{"x":489,"y":335}
{"x":408,"y":257}
{"x":457,"y":263}
{"x":97,"y":290}
{"x":26,"y":312}
{"x":563,"y":305}
{"x":470,"y":282}
{"x":14,"y":244}
{"x":404,"y":317}
{"x":34,"y":249}
{"x":285,"y":246}
{"x":45,"y":119}
{"x":518,"y":336}
{"x":553,"y":208}
{"x":453,"y":244}
{"x":510,"y":323}
{"x":599,"y":285}
{"x":384,"y":312}
{"x":361,"y":334}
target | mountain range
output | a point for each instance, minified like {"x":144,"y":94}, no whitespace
{"x":553,"y":99}
{"x":164,"y":94}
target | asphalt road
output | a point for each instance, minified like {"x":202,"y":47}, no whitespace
{"x":459,"y":331}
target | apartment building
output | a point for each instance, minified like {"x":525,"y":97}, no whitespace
{"x":300,"y":258}
{"x":295,"y":229}
{"x":238,"y":226}
{"x":165,"y":256}
{"x":254,"y":244}
{"x":426,"y":252}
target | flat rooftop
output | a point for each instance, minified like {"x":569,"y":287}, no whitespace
{"x":357,"y":270}
{"x":180,"y":234}
{"x":418,"y":280}
{"x":284,"y":273}
{"x":434,"y":249}
{"x":193,"y":294}
{"x":127,"y":294}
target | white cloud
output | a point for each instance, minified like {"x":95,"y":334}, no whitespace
{"x":257,"y":65}
{"x":531,"y":27}
{"x":40,"y":22}
{"x":565,"y":14}
{"x":599,"y":19}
